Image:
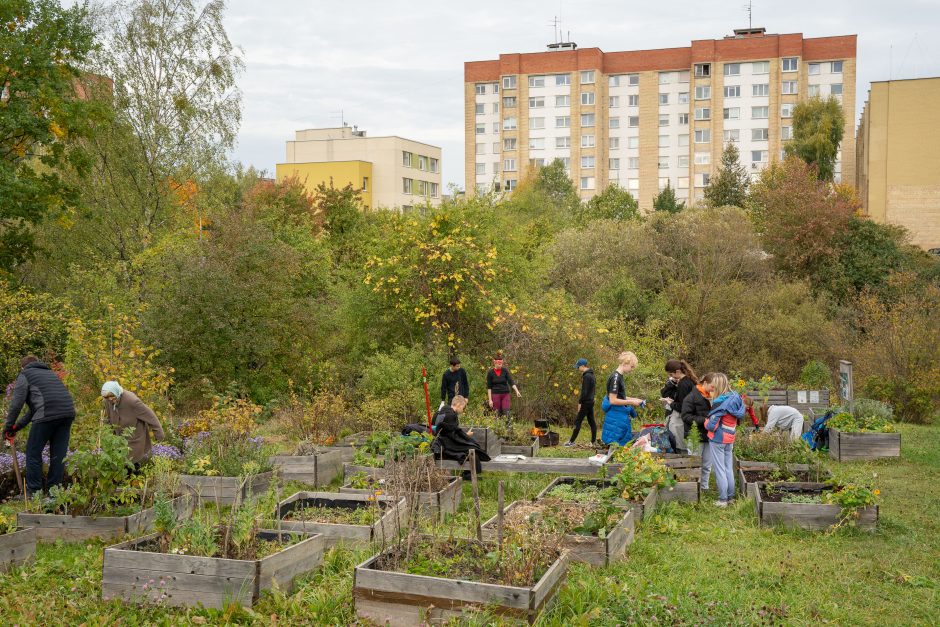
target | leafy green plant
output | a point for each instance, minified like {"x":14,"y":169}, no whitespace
{"x":599,"y":521}
{"x":584,"y":492}
{"x":816,"y":375}
{"x":853,"y":423}
{"x":773,"y":447}
{"x":640,"y":474}
{"x":226,"y":453}
{"x":7,"y":522}
{"x":762,"y":386}
{"x":801,"y":498}
{"x":361,"y":481}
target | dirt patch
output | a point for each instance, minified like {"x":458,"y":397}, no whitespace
{"x":777,"y":493}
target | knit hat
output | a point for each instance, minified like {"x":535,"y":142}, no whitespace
{"x":112,"y":387}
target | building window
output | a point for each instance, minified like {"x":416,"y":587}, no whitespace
{"x":481,"y":89}
{"x":587,"y":119}
{"x":536,"y":124}
{"x":664,"y":141}
{"x":663,"y":99}
{"x":407,"y":185}
{"x":788,"y":87}
{"x":683,"y":161}
{"x":703,"y":158}
{"x":434,"y":165}
{"x":511,"y":184}
{"x":509,"y":102}
{"x":760,"y":89}
{"x":537,"y":103}
{"x":759,"y":113}
{"x":703,"y":70}
{"x":613,"y":102}
{"x":422,"y":163}
{"x":563,"y":121}
{"x":481,"y":149}
{"x":562,"y":79}
{"x":509,"y":82}
{"x":703,"y":113}
{"x":495,"y":148}
{"x":759,"y":134}
{"x":684,"y":76}
{"x":664,"y":78}
{"x":836,"y":89}
{"x":587,"y":182}
{"x":495,"y":107}
{"x":613,"y":143}
{"x":664,"y":119}
{"x":587,"y":77}
{"x":732,"y":91}
{"x":732,"y":135}
{"x":814,"y":68}
{"x":633,"y":100}
{"x":536,"y":81}
{"x":495,"y":88}
{"x":587,"y":162}
{"x":683,"y":182}
{"x":509,"y":165}
{"x":633,"y":142}
{"x":496,"y":127}
{"x":614,"y":122}
{"x":683,"y":97}
{"x":732,"y":69}
{"x":633,"y":79}
{"x":732,"y":113}
{"x":836,"y":67}
{"x":786,"y":132}
{"x":566,"y":161}
{"x":435,"y":190}
{"x":481,"y":170}
{"x":562,"y":101}
{"x":683,"y":119}
{"x":365,"y":183}
{"x":786,"y":110}
{"x":613,"y":164}
{"x":509,"y":124}
{"x":633,"y":163}
{"x":509,"y":143}
{"x":587,"y":97}
{"x":760,"y":67}
{"x":663,"y":162}
{"x":407,"y":159}
{"x":536,"y":143}
{"x":537,"y":163}
{"x":587,"y":141}
{"x":790,"y":64}
{"x":633,"y":184}
{"x":703,"y":136}
{"x":479,"y":108}
{"x":563,"y":142}
{"x":703,"y":92}
{"x":759,"y":156}
{"x":702,"y":179}
{"x":633,"y":121}
{"x":683,"y":140}
{"x":812,"y":90}
{"x":613,"y":81}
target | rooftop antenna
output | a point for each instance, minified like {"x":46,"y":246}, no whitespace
{"x":555,"y":31}
{"x":340,"y":115}
{"x":750,"y":14}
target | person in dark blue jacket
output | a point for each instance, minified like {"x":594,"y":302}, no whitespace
{"x":51,"y":412}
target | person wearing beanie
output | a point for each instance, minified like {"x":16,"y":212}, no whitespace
{"x":454,"y":382}
{"x":585,"y":402}
{"x":125,"y":410}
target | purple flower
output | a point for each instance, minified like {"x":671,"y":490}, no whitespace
{"x":6,"y":462}
{"x":195,"y":439}
{"x":257,"y":441}
{"x":166,"y":450}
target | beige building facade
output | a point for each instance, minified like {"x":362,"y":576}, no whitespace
{"x":392,"y":172}
{"x":642,"y":119}
{"x":898,"y":168}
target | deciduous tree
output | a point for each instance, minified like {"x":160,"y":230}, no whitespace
{"x":818,"y":126}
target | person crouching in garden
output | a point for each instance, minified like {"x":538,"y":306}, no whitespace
{"x":499,"y":385}
{"x":125,"y":410}
{"x":785,"y":418}
{"x":727,"y":409}
{"x":618,"y":408}
{"x":452,"y":442}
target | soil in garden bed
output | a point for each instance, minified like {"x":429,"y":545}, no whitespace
{"x":338,"y":512}
{"x":783,"y":494}
{"x":261,"y":545}
{"x":564,"y":517}
{"x":803,"y":476}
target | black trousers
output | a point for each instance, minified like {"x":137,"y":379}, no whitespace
{"x":587,"y":411}
{"x":56,"y":433}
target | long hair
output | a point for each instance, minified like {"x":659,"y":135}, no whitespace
{"x":680,"y":364}
{"x":719,"y":381}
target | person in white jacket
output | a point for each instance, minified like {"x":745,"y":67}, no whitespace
{"x":785,"y":418}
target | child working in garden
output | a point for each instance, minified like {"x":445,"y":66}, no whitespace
{"x":727,"y":409}
{"x":617,"y":406}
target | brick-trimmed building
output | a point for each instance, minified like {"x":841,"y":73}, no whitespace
{"x":641,"y":118}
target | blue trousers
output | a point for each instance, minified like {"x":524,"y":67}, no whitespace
{"x":722,"y":457}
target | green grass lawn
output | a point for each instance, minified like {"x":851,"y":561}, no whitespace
{"x":689,"y":565}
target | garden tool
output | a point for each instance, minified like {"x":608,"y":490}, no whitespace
{"x":427,"y":397}
{"x":16,"y":468}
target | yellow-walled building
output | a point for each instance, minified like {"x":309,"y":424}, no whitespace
{"x":898,"y":166}
{"x":391,"y":172}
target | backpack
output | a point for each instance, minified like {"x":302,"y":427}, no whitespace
{"x":817,"y":438}
{"x":660,"y":438}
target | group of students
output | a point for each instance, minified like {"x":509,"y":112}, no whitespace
{"x":50,"y":412}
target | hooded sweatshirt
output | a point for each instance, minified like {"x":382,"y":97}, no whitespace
{"x":723,"y":418}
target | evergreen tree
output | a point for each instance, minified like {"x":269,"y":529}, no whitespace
{"x":666,"y":201}
{"x":729,"y":186}
{"x":818,"y":126}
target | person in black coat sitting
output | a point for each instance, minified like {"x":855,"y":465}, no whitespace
{"x":452,"y":442}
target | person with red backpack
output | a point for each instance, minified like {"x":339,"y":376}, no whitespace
{"x":721,"y":425}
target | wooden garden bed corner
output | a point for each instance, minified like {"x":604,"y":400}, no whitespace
{"x":17,"y":548}
{"x":845,"y":446}
{"x":811,"y":516}
{"x":392,"y":520}
{"x":225,"y":490}
{"x":317,"y":470}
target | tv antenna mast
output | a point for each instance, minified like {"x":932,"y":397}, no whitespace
{"x":554,"y":24}
{"x":339,"y":115}
{"x":749,"y":9}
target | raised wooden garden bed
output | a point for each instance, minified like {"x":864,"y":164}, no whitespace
{"x":444,"y":501}
{"x":682,"y":492}
{"x":845,"y":447}
{"x":405,"y":600}
{"x":224,"y":490}
{"x":318,"y":469}
{"x":749,"y":473}
{"x":353,"y":469}
{"x":642,"y":510}
{"x":17,"y":548}
{"x":135,"y":573}
{"x":590,"y":549}
{"x":72,"y":528}
{"x":811,"y":516}
{"x":487,"y":439}
{"x":392,"y":517}
{"x":683,"y":475}
{"x":529,"y":450}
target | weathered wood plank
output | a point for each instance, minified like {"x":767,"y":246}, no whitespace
{"x":682,"y":492}
{"x":351,"y":469}
{"x":174,"y":598}
{"x":335,"y":533}
{"x":529,"y":450}
{"x":852,"y":446}
{"x":224,"y":490}
{"x":17,"y":548}
{"x":280,"y":570}
{"x":810,"y":516}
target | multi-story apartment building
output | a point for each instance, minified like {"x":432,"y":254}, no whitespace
{"x":643,"y":118}
{"x":391,"y":172}
{"x":898,"y":176}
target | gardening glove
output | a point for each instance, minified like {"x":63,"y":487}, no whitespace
{"x":10,"y":431}
{"x":756,"y":428}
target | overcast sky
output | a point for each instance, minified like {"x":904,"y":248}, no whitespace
{"x":396,"y":68}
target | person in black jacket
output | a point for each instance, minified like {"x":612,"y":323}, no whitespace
{"x":682,"y":380}
{"x":585,"y":403}
{"x":454,"y":382}
{"x":499,"y":383}
{"x":51,"y":410}
{"x":695,"y":408}
{"x":452,"y":442}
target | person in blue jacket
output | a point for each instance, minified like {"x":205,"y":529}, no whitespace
{"x":618,"y":408}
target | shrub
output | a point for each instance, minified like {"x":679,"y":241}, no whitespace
{"x":318,"y":420}
{"x":816,"y":375}
{"x":225,"y":453}
{"x":32,"y":323}
{"x":237,"y":415}
{"x":773,"y":447}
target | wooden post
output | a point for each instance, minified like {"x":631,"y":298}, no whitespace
{"x":499,"y":517}
{"x":472,"y":458}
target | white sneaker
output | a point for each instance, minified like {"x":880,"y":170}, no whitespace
{"x":721,"y":503}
